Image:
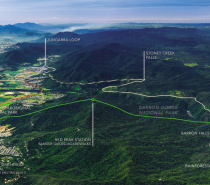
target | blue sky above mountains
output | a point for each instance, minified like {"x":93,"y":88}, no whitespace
{"x":104,"y":11}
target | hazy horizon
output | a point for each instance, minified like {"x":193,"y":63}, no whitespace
{"x":88,"y":23}
{"x":109,"y":11}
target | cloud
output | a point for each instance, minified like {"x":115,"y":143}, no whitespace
{"x":88,"y":26}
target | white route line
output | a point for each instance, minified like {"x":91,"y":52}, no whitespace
{"x":108,"y":81}
{"x":136,"y":81}
{"x":139,"y":94}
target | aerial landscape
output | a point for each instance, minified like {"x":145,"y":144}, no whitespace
{"x":97,"y":95}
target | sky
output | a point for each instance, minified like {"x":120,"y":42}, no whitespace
{"x":104,"y":11}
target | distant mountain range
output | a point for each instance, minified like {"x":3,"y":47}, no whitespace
{"x":29,"y":26}
{"x":10,"y":29}
{"x":17,"y":34}
{"x":137,"y":40}
{"x":142,"y":38}
{"x":90,"y":28}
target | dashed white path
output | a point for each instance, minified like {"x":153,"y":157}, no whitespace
{"x":139,"y":94}
{"x":80,"y":83}
{"x":133,"y":81}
